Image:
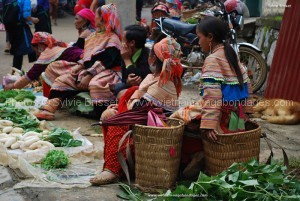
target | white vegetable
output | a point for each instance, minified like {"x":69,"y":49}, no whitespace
{"x":3,"y":140}
{"x":27,"y":138}
{"x":31,"y":141}
{"x":7,"y":129}
{"x":23,"y":147}
{"x":9,"y":142}
{"x":31,"y":133}
{"x":17,"y":130}
{"x":45,"y":132}
{"x":19,"y":135}
{"x":16,"y":145}
{"x":6,"y":123}
{"x":3,"y":135}
{"x":40,"y":144}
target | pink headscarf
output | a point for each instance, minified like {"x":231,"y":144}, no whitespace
{"x":88,"y":15}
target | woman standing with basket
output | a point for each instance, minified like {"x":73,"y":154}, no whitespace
{"x":225,"y":88}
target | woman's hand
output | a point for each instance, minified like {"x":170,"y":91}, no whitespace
{"x":211,"y":134}
{"x":133,"y":80}
{"x":75,"y":70}
{"x":126,"y":52}
{"x":84,"y":79}
{"x":113,"y":106}
{"x":9,"y":86}
{"x":34,"y":20}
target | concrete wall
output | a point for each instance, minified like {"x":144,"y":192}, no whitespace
{"x":127,"y":11}
{"x":266,"y":36}
{"x":273,"y":7}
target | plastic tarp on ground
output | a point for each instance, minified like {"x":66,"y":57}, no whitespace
{"x":83,"y":163}
{"x":76,"y":175}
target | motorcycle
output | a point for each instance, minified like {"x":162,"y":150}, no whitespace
{"x":193,"y":57}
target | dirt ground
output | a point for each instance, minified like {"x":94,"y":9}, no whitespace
{"x":286,"y":136}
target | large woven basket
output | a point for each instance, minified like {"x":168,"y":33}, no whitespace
{"x":230,"y":148}
{"x":157,"y":155}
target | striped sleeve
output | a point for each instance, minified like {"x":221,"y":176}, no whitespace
{"x":212,"y":102}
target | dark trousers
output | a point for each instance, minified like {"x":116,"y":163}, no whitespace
{"x":18,"y":60}
{"x":139,"y":7}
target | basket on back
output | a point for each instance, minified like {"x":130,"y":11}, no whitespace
{"x":230,"y":148}
{"x":157,"y":155}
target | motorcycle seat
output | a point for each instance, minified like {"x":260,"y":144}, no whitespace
{"x":178,"y":27}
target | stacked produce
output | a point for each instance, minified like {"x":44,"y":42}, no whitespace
{"x":20,"y":130}
{"x":15,"y":138}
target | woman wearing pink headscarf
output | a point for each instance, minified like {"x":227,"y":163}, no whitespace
{"x":96,"y":71}
{"x":85,"y":24}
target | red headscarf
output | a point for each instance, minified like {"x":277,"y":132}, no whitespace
{"x":111,"y":19}
{"x":169,"y":52}
{"x":46,"y":39}
{"x":88,"y":15}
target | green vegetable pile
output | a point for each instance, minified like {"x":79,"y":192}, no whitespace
{"x":55,"y":159}
{"x":11,"y":97}
{"x":60,"y":137}
{"x":4,"y":95}
{"x":245,"y":181}
{"x":20,"y":117}
{"x":241,"y":181}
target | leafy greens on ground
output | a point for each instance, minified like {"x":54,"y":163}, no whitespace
{"x":55,"y":159}
{"x":241,"y":181}
{"x":18,"y":95}
{"x":20,"y":117}
{"x":245,"y":181}
{"x":60,"y":137}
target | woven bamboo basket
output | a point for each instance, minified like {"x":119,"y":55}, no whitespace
{"x":230,"y":148}
{"x":157,"y":155}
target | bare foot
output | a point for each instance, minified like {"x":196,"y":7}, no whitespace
{"x":103,"y":178}
{"x":44,"y":115}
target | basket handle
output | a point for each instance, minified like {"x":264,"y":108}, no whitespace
{"x":268,"y":140}
{"x":130,"y":167}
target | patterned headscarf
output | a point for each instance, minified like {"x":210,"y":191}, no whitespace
{"x":46,"y":39}
{"x":111,"y":19}
{"x":88,"y":15}
{"x":168,"y":51}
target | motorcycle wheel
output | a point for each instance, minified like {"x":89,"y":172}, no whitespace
{"x":256,"y":67}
